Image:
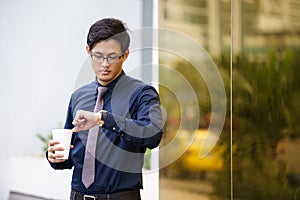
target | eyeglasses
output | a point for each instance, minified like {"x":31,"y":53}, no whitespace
{"x":110,"y":59}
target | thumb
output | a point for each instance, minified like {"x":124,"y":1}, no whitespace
{"x":75,"y":129}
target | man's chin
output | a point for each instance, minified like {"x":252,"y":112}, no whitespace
{"x":104,"y":80}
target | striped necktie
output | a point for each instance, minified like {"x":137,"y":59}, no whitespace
{"x":88,"y":171}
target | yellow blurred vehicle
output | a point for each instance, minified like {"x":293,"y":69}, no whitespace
{"x":201,"y":155}
{"x":198,"y":153}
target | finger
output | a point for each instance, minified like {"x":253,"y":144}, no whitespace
{"x":53,"y":142}
{"x":79,"y":115}
{"x":52,"y":149}
{"x":81,"y":120}
{"x":52,"y":145}
{"x":78,"y":128}
{"x":51,"y":156}
{"x":59,"y":148}
{"x":56,"y":158}
{"x":78,"y":122}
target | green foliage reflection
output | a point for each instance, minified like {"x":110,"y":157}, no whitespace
{"x":265,"y":97}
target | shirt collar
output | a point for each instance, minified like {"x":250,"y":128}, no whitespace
{"x":112,"y":84}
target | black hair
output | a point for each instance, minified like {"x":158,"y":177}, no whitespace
{"x":108,"y":28}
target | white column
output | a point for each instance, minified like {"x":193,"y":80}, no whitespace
{"x":214,"y":26}
{"x":149,"y":74}
{"x":236,"y":26}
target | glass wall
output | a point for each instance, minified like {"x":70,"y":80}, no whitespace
{"x":265,"y":91}
{"x":246,"y":146}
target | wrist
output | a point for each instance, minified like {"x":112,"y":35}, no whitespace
{"x":99,"y":117}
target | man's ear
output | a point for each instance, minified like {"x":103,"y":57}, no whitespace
{"x":125,"y":55}
{"x":87,"y":48}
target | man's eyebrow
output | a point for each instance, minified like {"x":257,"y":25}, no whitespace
{"x":100,"y":53}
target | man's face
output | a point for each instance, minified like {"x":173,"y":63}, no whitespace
{"x":109,"y":68}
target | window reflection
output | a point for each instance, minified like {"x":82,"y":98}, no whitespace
{"x":266,"y":92}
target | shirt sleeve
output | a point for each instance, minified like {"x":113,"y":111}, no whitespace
{"x":145,"y":128}
{"x":69,"y":117}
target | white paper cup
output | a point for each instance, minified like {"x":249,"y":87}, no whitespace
{"x":64,"y":137}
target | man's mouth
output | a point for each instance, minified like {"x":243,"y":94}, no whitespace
{"x":104,"y":72}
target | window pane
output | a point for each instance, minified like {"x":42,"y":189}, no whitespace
{"x":265,"y":95}
{"x":186,"y":93}
{"x":265,"y":92}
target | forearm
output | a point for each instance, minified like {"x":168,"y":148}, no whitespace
{"x":146,"y":133}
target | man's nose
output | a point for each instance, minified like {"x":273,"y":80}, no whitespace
{"x":105,"y":62}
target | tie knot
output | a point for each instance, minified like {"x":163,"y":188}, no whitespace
{"x":99,"y":101}
{"x":101,"y":91}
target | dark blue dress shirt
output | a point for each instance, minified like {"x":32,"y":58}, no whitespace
{"x":132,"y":123}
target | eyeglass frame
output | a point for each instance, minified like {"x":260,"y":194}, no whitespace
{"x":106,"y":58}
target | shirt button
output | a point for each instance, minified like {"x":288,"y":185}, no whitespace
{"x":114,"y":128}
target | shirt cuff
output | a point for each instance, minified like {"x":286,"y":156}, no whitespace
{"x":113,"y":122}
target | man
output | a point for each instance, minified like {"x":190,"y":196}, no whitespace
{"x":129,"y":121}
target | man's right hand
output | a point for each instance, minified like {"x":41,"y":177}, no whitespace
{"x":52,"y":157}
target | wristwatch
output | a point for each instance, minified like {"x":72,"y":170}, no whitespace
{"x":101,"y":115}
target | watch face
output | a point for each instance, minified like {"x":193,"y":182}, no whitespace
{"x":103,"y":114}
